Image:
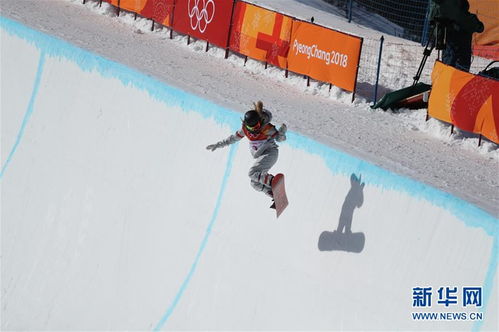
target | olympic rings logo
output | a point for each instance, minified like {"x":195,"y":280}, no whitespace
{"x":201,"y":16}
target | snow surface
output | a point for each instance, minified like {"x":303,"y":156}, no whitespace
{"x":401,"y":142}
{"x":116,"y":217}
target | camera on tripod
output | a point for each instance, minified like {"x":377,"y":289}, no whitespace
{"x":437,"y":39}
{"x":438,"y":35}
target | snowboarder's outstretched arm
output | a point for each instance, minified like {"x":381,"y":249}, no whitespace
{"x":281,"y":133}
{"x":228,"y":141}
{"x":278,"y":134}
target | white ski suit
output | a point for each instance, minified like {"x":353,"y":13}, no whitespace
{"x":263,"y":148}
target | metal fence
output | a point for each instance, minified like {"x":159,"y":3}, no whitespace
{"x":402,"y":18}
{"x":407,"y":19}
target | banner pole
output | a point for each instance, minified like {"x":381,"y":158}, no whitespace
{"x":350,"y":11}
{"x":382,"y":39}
{"x":293,"y":20}
{"x":230,"y":29}
{"x":172,"y":18}
{"x":357,"y":71}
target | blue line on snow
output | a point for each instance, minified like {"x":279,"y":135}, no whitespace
{"x":28,"y":113}
{"x":488,"y":284}
{"x":202,"y":247}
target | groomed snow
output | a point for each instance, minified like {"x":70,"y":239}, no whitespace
{"x":116,"y":217}
{"x":402,"y":142}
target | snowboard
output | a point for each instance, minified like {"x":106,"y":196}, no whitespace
{"x":279,"y":192}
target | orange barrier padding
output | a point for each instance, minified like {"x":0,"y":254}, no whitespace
{"x":468,"y":101}
{"x":135,"y":6}
{"x":160,"y":11}
{"x":324,"y":54}
{"x":260,"y":34}
{"x":204,"y":19}
{"x":489,"y":52}
{"x":486,"y":44}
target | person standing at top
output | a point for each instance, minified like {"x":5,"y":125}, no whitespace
{"x":458,"y":27}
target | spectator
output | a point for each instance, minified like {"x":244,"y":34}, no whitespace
{"x":459,"y":24}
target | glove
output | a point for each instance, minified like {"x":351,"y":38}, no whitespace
{"x":282,"y":133}
{"x":213,"y":147}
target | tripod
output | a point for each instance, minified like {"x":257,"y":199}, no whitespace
{"x":437,"y":41}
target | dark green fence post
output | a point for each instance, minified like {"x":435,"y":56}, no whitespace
{"x":378,"y":70}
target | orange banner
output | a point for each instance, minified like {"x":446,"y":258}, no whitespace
{"x":160,"y":11}
{"x":260,"y":34}
{"x":486,"y":44}
{"x":131,"y":5}
{"x":325,"y":55}
{"x":468,"y":101}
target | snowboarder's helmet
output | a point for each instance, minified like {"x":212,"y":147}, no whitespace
{"x":251,"y":118}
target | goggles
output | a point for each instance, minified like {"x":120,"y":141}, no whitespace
{"x":253,"y":128}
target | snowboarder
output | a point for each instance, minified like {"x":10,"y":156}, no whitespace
{"x":262,"y":137}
